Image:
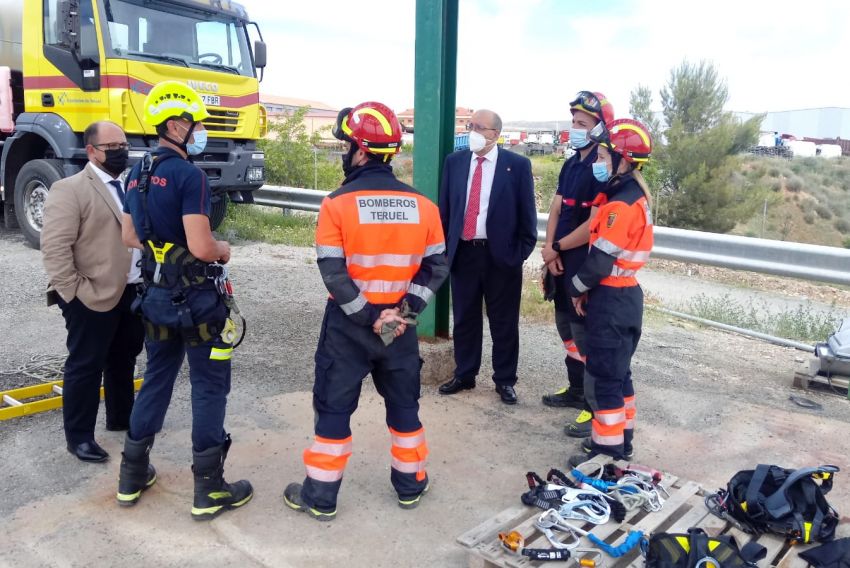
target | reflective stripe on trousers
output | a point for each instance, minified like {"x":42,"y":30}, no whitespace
{"x":631,"y":411}
{"x":572,"y":350}
{"x":326,"y":459}
{"x":409,"y":452}
{"x":607,"y":427}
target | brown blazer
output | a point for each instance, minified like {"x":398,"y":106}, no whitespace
{"x":81,"y":242}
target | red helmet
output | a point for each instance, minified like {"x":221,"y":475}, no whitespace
{"x":626,"y":137}
{"x":372,"y":126}
{"x":594,"y":104}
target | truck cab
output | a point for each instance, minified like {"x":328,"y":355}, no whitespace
{"x":79,"y":61}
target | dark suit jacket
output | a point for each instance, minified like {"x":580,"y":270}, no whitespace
{"x":511,"y":213}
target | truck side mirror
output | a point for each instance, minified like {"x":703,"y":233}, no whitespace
{"x":259,"y":54}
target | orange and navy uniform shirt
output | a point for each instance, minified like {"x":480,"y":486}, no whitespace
{"x":379,"y":242}
{"x":620,"y":239}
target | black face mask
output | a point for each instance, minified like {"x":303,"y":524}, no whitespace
{"x":116,"y":161}
{"x":347,"y":167}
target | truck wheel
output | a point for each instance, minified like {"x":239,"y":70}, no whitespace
{"x":219,"y":210}
{"x":31,"y":187}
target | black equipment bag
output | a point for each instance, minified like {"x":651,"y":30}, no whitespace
{"x":782,"y":501}
{"x":698,"y":550}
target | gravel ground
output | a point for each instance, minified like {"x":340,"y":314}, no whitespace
{"x":686,"y":376}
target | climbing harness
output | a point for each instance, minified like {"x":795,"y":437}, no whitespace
{"x":787,"y":502}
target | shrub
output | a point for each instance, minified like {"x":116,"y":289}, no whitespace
{"x":794,"y":184}
{"x":842,"y":225}
{"x":846,"y":242}
{"x":775,"y":185}
{"x":823,"y":212}
{"x":809,"y":218}
{"x":773,"y":172}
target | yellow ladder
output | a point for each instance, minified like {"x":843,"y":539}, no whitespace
{"x":13,"y":402}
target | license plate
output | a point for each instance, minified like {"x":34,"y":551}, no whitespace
{"x":211,"y":100}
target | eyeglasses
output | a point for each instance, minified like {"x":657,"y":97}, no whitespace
{"x":112,"y":146}
{"x":478,"y":127}
{"x":587,"y":100}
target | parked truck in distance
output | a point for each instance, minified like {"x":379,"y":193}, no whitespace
{"x":67,"y":63}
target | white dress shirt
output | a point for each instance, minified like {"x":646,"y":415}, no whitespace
{"x":134,"y":276}
{"x":488,"y":171}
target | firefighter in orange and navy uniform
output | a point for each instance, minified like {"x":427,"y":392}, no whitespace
{"x":606,"y":290}
{"x":382,"y":256}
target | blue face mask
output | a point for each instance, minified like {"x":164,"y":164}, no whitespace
{"x":578,"y":138}
{"x":196,"y":147}
{"x":600,"y":171}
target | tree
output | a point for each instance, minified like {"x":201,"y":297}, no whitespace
{"x":640,"y":107}
{"x":293,"y":159}
{"x":697,"y":164}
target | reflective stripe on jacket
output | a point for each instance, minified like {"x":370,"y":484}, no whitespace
{"x":379,"y":242}
{"x":620,"y":239}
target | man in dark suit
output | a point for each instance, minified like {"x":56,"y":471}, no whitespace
{"x":490,"y":221}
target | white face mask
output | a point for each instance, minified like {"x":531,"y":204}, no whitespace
{"x":477,"y":142}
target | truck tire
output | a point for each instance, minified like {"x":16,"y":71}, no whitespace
{"x":31,"y":187}
{"x":218,"y":211}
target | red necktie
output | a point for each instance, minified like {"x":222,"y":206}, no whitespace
{"x":474,"y":206}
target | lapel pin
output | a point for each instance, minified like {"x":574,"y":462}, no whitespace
{"x":509,"y":169}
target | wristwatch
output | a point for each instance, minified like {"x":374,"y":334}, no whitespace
{"x":556,"y":246}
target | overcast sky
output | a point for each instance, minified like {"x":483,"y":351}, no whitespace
{"x":526,"y":58}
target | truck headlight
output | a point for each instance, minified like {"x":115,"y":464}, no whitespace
{"x":258,"y":156}
{"x":254,"y":174}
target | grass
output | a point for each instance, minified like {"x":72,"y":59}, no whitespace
{"x":268,"y":225}
{"x":803,"y":323}
{"x":532,"y":306}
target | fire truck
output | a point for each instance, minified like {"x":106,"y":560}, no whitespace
{"x":67,"y":63}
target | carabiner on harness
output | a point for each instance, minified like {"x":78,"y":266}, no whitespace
{"x":589,"y":505}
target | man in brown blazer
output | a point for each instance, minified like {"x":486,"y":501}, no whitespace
{"x":93,"y":278}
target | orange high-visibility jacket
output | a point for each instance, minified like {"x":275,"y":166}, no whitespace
{"x":620,"y":239}
{"x":379,"y":242}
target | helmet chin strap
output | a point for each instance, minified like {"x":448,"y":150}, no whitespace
{"x":182,"y":145}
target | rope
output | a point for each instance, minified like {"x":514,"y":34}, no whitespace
{"x":45,"y":368}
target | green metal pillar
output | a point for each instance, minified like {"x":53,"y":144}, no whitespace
{"x":434,"y":122}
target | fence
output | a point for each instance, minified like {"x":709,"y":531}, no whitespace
{"x":797,"y":260}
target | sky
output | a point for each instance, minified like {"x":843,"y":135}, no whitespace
{"x":526,"y":59}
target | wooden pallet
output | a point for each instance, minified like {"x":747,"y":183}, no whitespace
{"x":684,"y":509}
{"x":808,"y":376}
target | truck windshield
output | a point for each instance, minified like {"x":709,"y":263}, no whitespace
{"x":157,"y":31}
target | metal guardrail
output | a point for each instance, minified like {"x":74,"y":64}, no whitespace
{"x":797,"y":260}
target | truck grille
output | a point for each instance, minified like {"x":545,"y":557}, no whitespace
{"x":223,"y":120}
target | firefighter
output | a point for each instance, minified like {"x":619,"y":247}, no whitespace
{"x":567,"y":234}
{"x":185,"y":309}
{"x":606,"y":291}
{"x":381,"y":254}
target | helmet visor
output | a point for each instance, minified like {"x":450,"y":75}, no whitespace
{"x":587,"y":102}
{"x":341,"y":130}
{"x":599,"y":133}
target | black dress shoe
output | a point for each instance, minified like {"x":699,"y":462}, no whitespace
{"x":456,"y":385}
{"x":507,"y":393}
{"x":121,"y":427}
{"x":89,"y":452}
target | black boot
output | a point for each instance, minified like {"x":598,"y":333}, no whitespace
{"x":213,"y":495}
{"x":572,"y":395}
{"x":136,"y":473}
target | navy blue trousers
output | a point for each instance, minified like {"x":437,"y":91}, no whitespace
{"x":614,"y":321}
{"x":346,"y":354}
{"x":476,"y":278}
{"x":209,"y":370}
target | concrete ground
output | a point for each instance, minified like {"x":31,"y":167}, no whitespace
{"x":709,"y":404}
